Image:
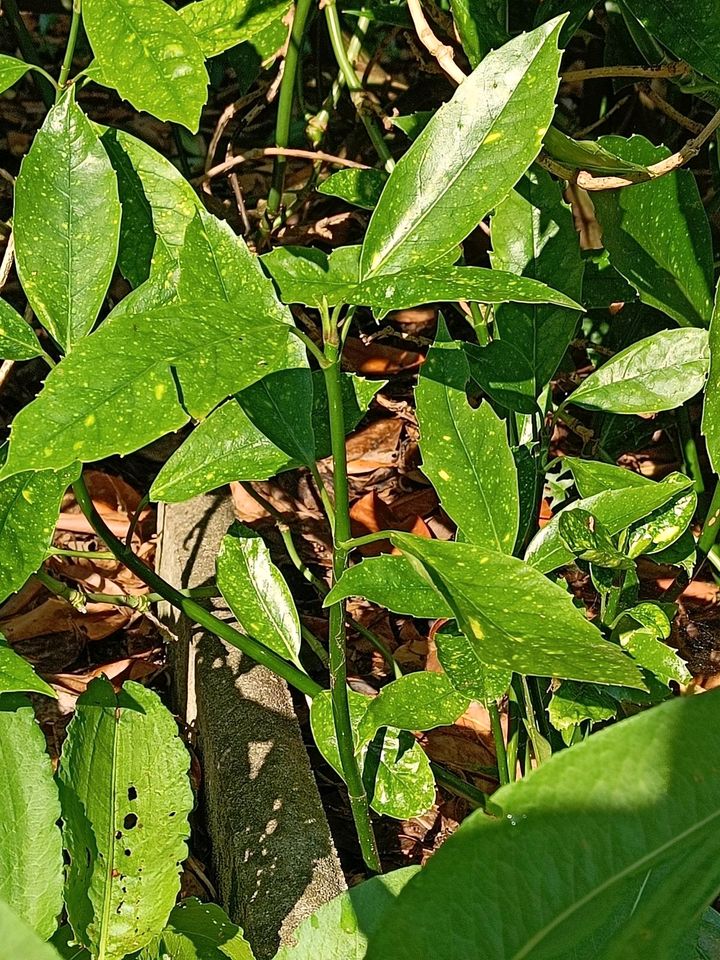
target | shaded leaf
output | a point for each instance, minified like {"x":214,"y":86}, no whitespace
{"x":481,"y":26}
{"x":198,"y":931}
{"x":574,"y":703}
{"x":711,"y":405}
{"x":691,"y":33}
{"x":281,"y":407}
{"x":17,"y":338}
{"x":16,"y":674}
{"x":504,"y":373}
{"x":465,"y":670}
{"x":20,"y":940}
{"x":219,"y":25}
{"x":362,"y":188}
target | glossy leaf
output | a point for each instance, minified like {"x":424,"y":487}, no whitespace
{"x":124,"y":826}
{"x":11,"y":70}
{"x":636,"y":868}
{"x":257,"y":593}
{"x":658,"y":236}
{"x":198,"y":931}
{"x":516,"y":618}
{"x":658,"y":373}
{"x":663,"y":527}
{"x":574,"y":703}
{"x":31,"y":863}
{"x":17,"y":338}
{"x":339,"y":930}
{"x":641,"y":630}
{"x":595,"y":476}
{"x":16,"y":674}
{"x":362,"y":188}
{"x":20,"y":940}
{"x":417,"y":701}
{"x":711,"y":405}
{"x":468,"y":157}
{"x":219,"y":25}
{"x":113,"y":395}
{"x":480,"y":25}
{"x":66,"y":223}
{"x":465,"y":452}
{"x":306,"y":275}
{"x":504,"y":374}
{"x":150,"y":55}
{"x":691,"y":33}
{"x":29,"y":507}
{"x":465,"y":670}
{"x":587,"y":155}
{"x":534,"y":236}
{"x":391,"y":582}
{"x":615,"y":509}
{"x":397,"y":772}
{"x":586,"y":538}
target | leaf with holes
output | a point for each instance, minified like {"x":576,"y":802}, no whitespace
{"x":125,"y":828}
{"x":468,"y":157}
{"x":257,"y":593}
{"x":31,"y":862}
{"x":66,"y":223}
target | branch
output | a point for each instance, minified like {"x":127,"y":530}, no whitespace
{"x":444,"y":54}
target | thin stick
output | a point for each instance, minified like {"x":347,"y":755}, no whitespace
{"x":676,"y":69}
{"x":444,"y":54}
{"x":499,"y":740}
{"x":314,"y":155}
{"x":7,"y":260}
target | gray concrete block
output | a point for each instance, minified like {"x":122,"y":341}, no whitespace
{"x":273,"y":857}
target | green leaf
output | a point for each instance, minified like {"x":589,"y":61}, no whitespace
{"x":117,"y":391}
{"x":307,"y":275}
{"x":465,"y":670}
{"x":573,"y":703}
{"x":219,"y":25}
{"x":664,"y":526}
{"x":228,"y":446}
{"x":660,"y":372}
{"x":641,"y":630}
{"x":587,"y":155}
{"x":16,"y":674}
{"x":594,"y":476}
{"x":691,"y":33}
{"x":64,"y":942}
{"x":481,"y":26}
{"x":417,"y":701}
{"x":20,"y":940}
{"x":391,"y":582}
{"x":281,"y":407}
{"x":465,"y":452}
{"x":362,"y":188}
{"x":31,"y":863}
{"x":468,"y":157}
{"x":339,"y":930}
{"x":66,"y":223}
{"x":504,"y":374}
{"x":125,"y":800}
{"x":29,"y":507}
{"x":534,"y":236}
{"x":711,"y":404}
{"x":636,"y":868}
{"x":17,"y":338}
{"x":11,"y":70}
{"x":257,"y":593}
{"x":396,"y":770}
{"x":658,"y":236}
{"x":198,"y":931}
{"x":615,"y":509}
{"x":150,"y":55}
{"x":586,"y":538}
{"x":516,"y":618}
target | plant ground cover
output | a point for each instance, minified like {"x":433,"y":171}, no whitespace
{"x":432,"y":287}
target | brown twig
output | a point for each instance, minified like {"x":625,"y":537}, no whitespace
{"x":676,"y":69}
{"x":7,"y":261}
{"x":313,"y":155}
{"x":668,"y":109}
{"x":441,"y":52}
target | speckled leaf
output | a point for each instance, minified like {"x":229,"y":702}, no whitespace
{"x":281,"y":407}
{"x":417,"y":701}
{"x":66,"y":223}
{"x":658,"y":236}
{"x":465,"y":670}
{"x":517,"y":619}
{"x":362,"y":188}
{"x":339,"y":930}
{"x":623,"y":818}
{"x":465,"y":452}
{"x":306,"y":275}
{"x":657,"y":373}
{"x":391,"y":582}
{"x":504,"y":374}
{"x":31,"y":863}
{"x":17,"y":338}
{"x":615,"y":509}
{"x":20,"y":940}
{"x":257,"y":593}
{"x":397,"y":774}
{"x":587,"y":155}
{"x":11,"y":70}
{"x":664,"y":526}
{"x":228,"y":446}
{"x":468,"y":157}
{"x":146,"y":50}
{"x":641,"y":630}
{"x":29,"y":506}
{"x":117,"y":391}
{"x":219,"y":25}
{"x":587,"y":539}
{"x":573,"y":703}
{"x":533,"y":235}
{"x":690,"y":31}
{"x":16,"y":674}
{"x":595,"y":476}
{"x":711,"y":405}
{"x":132,"y":822}
{"x":481,"y":26}
{"x":198,"y":931}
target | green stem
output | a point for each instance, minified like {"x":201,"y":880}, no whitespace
{"x":480,"y":325}
{"x":315,"y":645}
{"x":531,"y":722}
{"x":500,"y":749}
{"x":711,"y":526}
{"x":338,"y":665}
{"x":379,"y":645}
{"x":28,"y":51}
{"x":355,"y":87}
{"x":690,"y":457}
{"x":459,"y":787}
{"x":70,"y":48}
{"x":191,"y":608}
{"x":285,"y":104}
{"x":85,"y":554}
{"x":139,"y":601}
